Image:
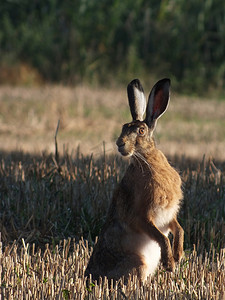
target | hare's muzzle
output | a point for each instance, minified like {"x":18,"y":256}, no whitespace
{"x":122,"y":147}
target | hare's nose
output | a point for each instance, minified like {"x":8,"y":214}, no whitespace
{"x":120,"y":142}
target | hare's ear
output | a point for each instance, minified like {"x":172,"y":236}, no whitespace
{"x":158,"y":101}
{"x":136,"y":99}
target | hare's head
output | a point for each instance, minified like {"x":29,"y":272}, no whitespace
{"x":136,"y":136}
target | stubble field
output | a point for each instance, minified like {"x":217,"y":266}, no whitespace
{"x":52,"y":206}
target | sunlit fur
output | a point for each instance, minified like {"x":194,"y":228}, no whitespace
{"x":142,"y":213}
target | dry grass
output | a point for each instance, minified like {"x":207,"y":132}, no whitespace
{"x":29,"y":116}
{"x":45,"y":200}
{"x":58,"y":273}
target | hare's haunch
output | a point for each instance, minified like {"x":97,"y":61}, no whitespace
{"x":145,"y":204}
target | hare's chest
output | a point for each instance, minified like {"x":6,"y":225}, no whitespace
{"x":163,"y":216}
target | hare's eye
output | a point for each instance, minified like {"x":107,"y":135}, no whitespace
{"x":141,"y":131}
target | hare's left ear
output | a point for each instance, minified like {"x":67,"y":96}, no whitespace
{"x":136,"y":99}
{"x":157,"y":102}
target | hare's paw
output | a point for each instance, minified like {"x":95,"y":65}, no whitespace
{"x":169,"y":264}
{"x":178,"y":251}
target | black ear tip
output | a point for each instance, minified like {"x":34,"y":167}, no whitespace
{"x":135,"y":83}
{"x":162,"y":84}
{"x":166,"y":80}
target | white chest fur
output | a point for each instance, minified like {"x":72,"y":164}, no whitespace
{"x":165,"y":215}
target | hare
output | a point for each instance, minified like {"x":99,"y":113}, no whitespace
{"x":144,"y":207}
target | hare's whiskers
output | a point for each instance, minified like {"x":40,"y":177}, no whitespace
{"x":139,"y":155}
{"x":140,"y":164}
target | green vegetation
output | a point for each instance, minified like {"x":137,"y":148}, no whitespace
{"x":112,"y":41}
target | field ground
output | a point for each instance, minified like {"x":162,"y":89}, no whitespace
{"x":58,"y":273}
{"x":52,"y":208}
{"x":88,"y":116}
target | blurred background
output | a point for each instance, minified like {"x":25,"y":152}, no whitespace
{"x":71,"y":60}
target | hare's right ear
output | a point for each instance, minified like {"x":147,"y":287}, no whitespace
{"x":158,"y":101}
{"x":136,"y":99}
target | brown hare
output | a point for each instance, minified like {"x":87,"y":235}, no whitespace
{"x":144,"y":206}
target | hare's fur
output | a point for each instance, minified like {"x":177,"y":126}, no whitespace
{"x":143,"y":210}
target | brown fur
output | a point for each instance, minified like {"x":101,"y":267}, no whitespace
{"x":143,"y":208}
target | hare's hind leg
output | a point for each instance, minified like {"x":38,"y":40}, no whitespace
{"x":178,"y":239}
{"x":130,"y":264}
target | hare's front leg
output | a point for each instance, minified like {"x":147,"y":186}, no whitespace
{"x":164,"y":243}
{"x":178,"y":239}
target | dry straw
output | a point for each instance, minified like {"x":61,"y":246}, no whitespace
{"x":58,"y":273}
{"x":45,"y":201}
